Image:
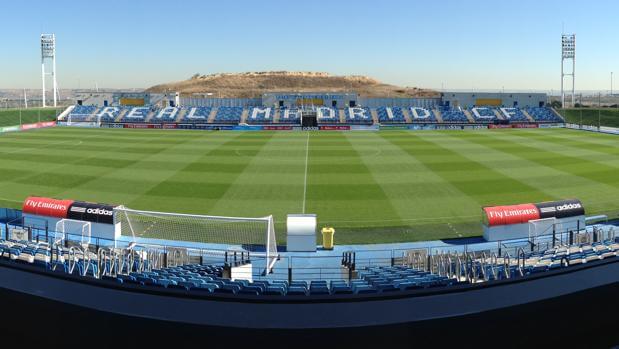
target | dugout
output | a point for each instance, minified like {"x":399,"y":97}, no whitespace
{"x":520,"y":221}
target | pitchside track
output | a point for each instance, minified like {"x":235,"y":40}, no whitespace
{"x":371,"y":186}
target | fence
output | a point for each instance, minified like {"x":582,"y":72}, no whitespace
{"x":437,"y":259}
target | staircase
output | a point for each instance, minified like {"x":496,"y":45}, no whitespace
{"x":121,"y":115}
{"x":244,"y":116}
{"x":407,"y":116}
{"x":558,"y":114}
{"x":150,"y":116}
{"x":437,"y":115}
{"x":211,"y":116}
{"x":65,"y":113}
{"x":374,"y":115}
{"x":469,"y":116}
{"x":526,"y":113}
{"x":342,"y":116}
{"x":275,"y":116}
{"x":181,"y":115}
{"x":498,"y":115}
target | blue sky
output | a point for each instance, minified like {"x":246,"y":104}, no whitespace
{"x":458,"y":44}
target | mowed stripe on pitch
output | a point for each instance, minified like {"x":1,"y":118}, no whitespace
{"x":480,"y":182}
{"x":271,"y":182}
{"x":417,"y":194}
{"x":576,"y":177}
{"x":48,"y":179}
{"x":174,"y":194}
{"x":347,"y":196}
{"x":550,"y":183}
{"x":572,"y":160}
{"x":121,"y":185}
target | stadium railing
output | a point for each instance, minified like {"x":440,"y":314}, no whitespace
{"x":358,"y":271}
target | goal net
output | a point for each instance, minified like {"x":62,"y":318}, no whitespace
{"x":72,"y":230}
{"x":255,"y":235}
{"x":83,"y":120}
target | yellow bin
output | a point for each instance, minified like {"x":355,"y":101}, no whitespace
{"x":327,"y":238}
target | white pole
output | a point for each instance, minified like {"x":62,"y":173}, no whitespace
{"x":43,"y":79}
{"x":574,"y":73}
{"x":562,"y":92}
{"x":54,"y":71}
{"x":25,"y":100}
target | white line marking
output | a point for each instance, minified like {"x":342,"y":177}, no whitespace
{"x":11,"y":200}
{"x":305,"y":179}
{"x":45,"y":145}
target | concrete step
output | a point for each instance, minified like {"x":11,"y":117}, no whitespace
{"x":181,"y":115}
{"x":407,"y":115}
{"x":469,"y":116}
{"x":557,"y":114}
{"x":121,"y":115}
{"x":212,"y":115}
{"x":437,"y":115}
{"x":150,"y":116}
{"x":275,"y":114}
{"x":374,"y":114}
{"x":244,"y":116}
{"x":498,"y":114}
{"x":526,"y":113}
{"x":342,"y":115}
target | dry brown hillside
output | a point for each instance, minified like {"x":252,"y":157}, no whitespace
{"x":254,"y":84}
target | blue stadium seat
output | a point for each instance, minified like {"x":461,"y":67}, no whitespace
{"x":452,"y":115}
{"x":543,"y":114}
{"x":390,"y":115}
{"x":260,"y":115}
{"x":197,"y":115}
{"x":483,"y":114}
{"x":362,"y":116}
{"x":289,"y":116}
{"x":229,"y":115}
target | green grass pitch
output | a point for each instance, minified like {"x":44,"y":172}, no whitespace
{"x":373,"y":187}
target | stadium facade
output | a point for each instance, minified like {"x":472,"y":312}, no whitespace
{"x":286,"y":99}
{"x":328,"y":110}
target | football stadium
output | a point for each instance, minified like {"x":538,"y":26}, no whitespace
{"x":315,"y":210}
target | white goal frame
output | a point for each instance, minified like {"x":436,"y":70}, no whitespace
{"x":95,"y":122}
{"x":84,"y":228}
{"x":122,"y":213}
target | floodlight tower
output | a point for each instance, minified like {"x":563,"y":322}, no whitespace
{"x":568,"y":52}
{"x":48,"y":51}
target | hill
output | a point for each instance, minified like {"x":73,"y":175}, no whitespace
{"x":254,"y":84}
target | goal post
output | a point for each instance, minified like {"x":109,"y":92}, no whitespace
{"x":83,"y":120}
{"x":255,"y":235}
{"x":66,"y":228}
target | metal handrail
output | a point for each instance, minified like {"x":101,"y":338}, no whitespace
{"x":459,"y":267}
{"x":521,"y":256}
{"x":468,"y":268}
{"x":483,"y":265}
{"x":507,"y":265}
{"x":493,"y":265}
